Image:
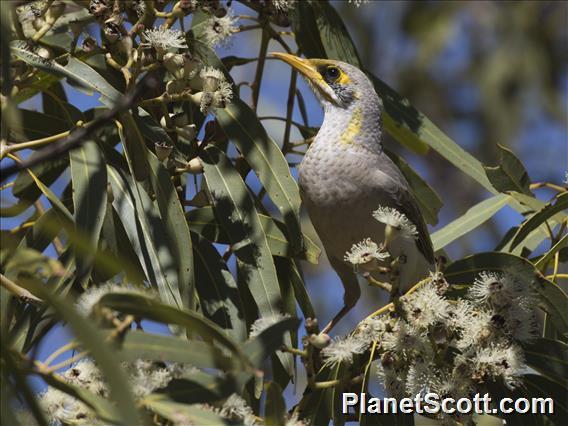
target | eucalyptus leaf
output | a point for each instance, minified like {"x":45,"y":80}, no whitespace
{"x":510,"y":174}
{"x":234,"y":208}
{"x":219,"y":295}
{"x":89,"y":178}
{"x":203,"y":220}
{"x":243,"y":128}
{"x":471,"y":219}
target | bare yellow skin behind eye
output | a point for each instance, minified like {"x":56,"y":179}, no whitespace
{"x":343,"y":78}
{"x":353,"y":128}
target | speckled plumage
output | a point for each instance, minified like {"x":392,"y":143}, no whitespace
{"x":345,"y":176}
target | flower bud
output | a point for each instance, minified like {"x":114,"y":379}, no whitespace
{"x":174,"y":62}
{"x":45,"y":52}
{"x":194,"y":166}
{"x":319,"y":341}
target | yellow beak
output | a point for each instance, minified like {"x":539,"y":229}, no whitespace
{"x":308,"y":69}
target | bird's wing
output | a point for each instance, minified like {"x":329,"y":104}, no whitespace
{"x":403,"y":200}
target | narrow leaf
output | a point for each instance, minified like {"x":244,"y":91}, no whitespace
{"x":539,"y":218}
{"x":203,"y":220}
{"x":242,"y":127}
{"x":474,"y":217}
{"x":89,"y":179}
{"x":510,"y":174}
{"x":218,"y":292}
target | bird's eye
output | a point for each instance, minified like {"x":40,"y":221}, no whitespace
{"x":332,"y":73}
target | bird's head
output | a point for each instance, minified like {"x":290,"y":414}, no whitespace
{"x":335,"y":83}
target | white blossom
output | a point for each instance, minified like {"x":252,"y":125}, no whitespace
{"x":358,"y":3}
{"x":147,"y":376}
{"x":396,"y":219}
{"x":63,"y":408}
{"x":425,"y":306}
{"x":495,"y":362}
{"x":371,"y":329}
{"x":342,"y":349}
{"x":263,"y":323}
{"x":283,"y":5}
{"x":236,"y":408}
{"x":365,"y":255}
{"x":219,"y":30}
{"x":293,"y":420}
{"x":163,"y":38}
{"x":406,"y":340}
{"x":477,"y":327}
{"x":93,"y":294}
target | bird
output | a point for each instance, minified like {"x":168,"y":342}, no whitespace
{"x":345,"y":176}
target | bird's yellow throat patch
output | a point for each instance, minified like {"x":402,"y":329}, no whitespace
{"x":353,"y":128}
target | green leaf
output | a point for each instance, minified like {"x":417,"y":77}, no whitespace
{"x":75,"y":69}
{"x":510,"y":174}
{"x":289,"y":270}
{"x":188,"y":414}
{"x":234,"y":209}
{"x":203,"y":220}
{"x":274,"y":406}
{"x":219,"y":295}
{"x":177,"y":230}
{"x":548,"y":357}
{"x":268,"y":340}
{"x":146,"y":307}
{"x":552,"y":298}
{"x":199,"y":387}
{"x":302,"y":20}
{"x":428,"y":200}
{"x":542,"y":387}
{"x":319,"y":406}
{"x":543,"y":261}
{"x":242,"y":127}
{"x":145,"y":230}
{"x":89,"y":179}
{"x":334,"y":36}
{"x":140,"y":345}
{"x":474,"y":217}
{"x":134,"y":146}
{"x":539,"y":218}
{"x":93,"y":341}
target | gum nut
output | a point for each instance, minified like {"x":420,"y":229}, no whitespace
{"x":44,"y":52}
{"x":194,"y":166}
{"x":319,"y":341}
{"x":180,"y":119}
{"x":173,"y":62}
{"x":174,"y":87}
